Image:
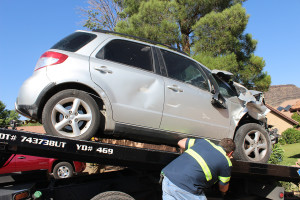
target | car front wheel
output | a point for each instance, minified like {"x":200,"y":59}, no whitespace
{"x":72,"y":114}
{"x":63,"y":170}
{"x":252,"y":143}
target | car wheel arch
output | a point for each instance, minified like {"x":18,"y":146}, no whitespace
{"x":246,"y":119}
{"x":96,"y":95}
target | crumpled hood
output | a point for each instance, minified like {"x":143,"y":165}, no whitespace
{"x":251,"y":99}
{"x":253,"y":102}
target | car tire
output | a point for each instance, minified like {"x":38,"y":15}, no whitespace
{"x":112,"y":195}
{"x":252,"y":143}
{"x":63,"y":170}
{"x":72,"y":114}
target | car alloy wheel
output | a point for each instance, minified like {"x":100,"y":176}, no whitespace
{"x":72,"y":114}
{"x":252,"y":143}
{"x":255,"y":145}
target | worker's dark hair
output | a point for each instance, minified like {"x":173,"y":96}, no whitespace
{"x":227,"y":144}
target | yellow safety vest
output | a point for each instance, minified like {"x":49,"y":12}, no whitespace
{"x":202,"y":162}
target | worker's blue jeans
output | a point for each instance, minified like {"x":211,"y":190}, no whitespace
{"x":172,"y":192}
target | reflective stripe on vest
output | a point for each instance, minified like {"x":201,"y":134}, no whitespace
{"x":224,"y":179}
{"x":191,"y":143}
{"x":201,"y":162}
{"x":221,"y":150}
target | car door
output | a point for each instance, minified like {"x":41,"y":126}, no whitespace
{"x":9,"y":166}
{"x":28,"y":163}
{"x":187,"y":107}
{"x":125,"y":71}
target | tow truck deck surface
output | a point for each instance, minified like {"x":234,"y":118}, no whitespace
{"x":249,"y":180}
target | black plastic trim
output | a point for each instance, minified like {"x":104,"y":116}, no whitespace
{"x":147,"y":135}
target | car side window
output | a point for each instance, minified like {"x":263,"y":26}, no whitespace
{"x":127,"y":52}
{"x":226,"y":89}
{"x":184,"y":69}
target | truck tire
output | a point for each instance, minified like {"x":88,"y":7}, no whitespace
{"x":252,"y":143}
{"x":112,"y":195}
{"x":72,"y":114}
{"x":63,"y":170}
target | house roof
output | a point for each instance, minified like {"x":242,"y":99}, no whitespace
{"x":277,"y":94}
{"x":296,"y":107}
{"x":277,"y":112}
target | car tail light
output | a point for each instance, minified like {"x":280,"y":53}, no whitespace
{"x":50,"y":58}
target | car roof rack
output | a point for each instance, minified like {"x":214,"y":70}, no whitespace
{"x":141,"y":39}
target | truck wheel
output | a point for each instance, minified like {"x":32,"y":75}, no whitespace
{"x":112,"y":195}
{"x":252,"y":143}
{"x":72,"y":114}
{"x":63,"y":170}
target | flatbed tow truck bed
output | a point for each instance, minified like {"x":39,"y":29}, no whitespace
{"x":139,"y":179}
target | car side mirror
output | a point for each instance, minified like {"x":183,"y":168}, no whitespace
{"x":218,"y":101}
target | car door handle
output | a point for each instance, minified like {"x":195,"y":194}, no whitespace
{"x":21,"y":157}
{"x":103,"y":69}
{"x":175,"y":88}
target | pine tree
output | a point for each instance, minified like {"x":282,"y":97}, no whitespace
{"x":221,"y":44}
{"x":211,"y":31}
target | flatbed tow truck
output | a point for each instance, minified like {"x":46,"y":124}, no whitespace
{"x":138,"y":180}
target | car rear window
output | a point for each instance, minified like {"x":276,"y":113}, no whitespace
{"x":74,"y":41}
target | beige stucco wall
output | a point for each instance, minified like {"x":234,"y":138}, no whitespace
{"x":278,"y":122}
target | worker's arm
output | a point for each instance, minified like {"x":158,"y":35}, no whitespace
{"x":223,"y":188}
{"x":181,"y":143}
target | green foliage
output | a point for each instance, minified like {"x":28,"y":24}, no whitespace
{"x":153,"y":22}
{"x":289,"y":186}
{"x":220,"y":32}
{"x":181,"y":15}
{"x":296,"y":117}
{"x":291,"y":154}
{"x":221,"y":44}
{"x":277,"y":154}
{"x":7,"y":115}
{"x":210,"y":31}
{"x":32,"y":124}
{"x":290,"y":136}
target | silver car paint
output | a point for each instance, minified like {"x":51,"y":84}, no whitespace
{"x":191,"y":112}
{"x":79,"y":66}
{"x":132,"y":92}
{"x":32,"y":87}
{"x":129,"y":93}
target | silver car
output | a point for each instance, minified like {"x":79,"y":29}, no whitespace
{"x":100,"y":83}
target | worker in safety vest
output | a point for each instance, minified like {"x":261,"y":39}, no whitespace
{"x":199,"y":167}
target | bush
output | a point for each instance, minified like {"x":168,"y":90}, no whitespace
{"x":296,"y":117}
{"x":290,"y":136}
{"x":277,"y":154}
{"x":289,"y":186}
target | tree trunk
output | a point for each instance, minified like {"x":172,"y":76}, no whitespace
{"x":186,"y":43}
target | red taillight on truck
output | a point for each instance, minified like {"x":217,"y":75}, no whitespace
{"x":50,"y":58}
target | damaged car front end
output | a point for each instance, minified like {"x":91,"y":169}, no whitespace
{"x":248,"y":119}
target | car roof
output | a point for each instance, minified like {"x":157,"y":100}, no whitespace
{"x":116,"y":35}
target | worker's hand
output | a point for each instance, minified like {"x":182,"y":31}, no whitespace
{"x":223,"y":188}
{"x":181,"y":143}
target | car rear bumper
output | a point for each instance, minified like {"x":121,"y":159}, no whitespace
{"x":29,"y":111}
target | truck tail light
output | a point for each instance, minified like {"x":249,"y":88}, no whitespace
{"x":50,"y":58}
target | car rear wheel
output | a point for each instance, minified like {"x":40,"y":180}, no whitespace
{"x":72,"y":114}
{"x":252,"y":143}
{"x":63,"y":170}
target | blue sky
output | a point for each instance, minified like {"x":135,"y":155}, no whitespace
{"x":29,"y":28}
